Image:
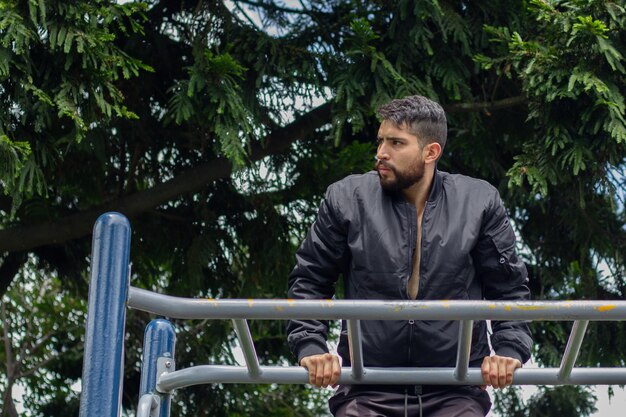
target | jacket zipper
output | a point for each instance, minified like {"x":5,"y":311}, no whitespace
{"x":412,"y":241}
{"x":412,"y":247}
{"x":421,"y":276}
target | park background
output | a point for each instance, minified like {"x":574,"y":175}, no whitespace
{"x":216,"y":127}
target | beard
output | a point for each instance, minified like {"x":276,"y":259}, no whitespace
{"x":401,"y":179}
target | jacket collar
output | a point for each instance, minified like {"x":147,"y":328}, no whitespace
{"x":435,"y":190}
{"x":436,"y":187}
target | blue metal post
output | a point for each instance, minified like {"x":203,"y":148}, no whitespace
{"x":106,"y":315}
{"x":158,"y":343}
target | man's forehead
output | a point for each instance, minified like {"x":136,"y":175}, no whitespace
{"x":387,"y":125}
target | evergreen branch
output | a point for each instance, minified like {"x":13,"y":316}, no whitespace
{"x":78,"y":225}
{"x":273,"y":7}
{"x":486,"y":105}
{"x":248,"y":18}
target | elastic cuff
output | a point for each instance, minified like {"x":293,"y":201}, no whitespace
{"x":509,"y":352}
{"x":311,"y":348}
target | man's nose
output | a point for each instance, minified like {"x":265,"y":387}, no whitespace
{"x":382,"y":153}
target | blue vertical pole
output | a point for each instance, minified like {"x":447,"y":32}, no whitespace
{"x":158,"y":343}
{"x":106,"y":315}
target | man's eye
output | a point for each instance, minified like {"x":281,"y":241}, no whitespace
{"x":397,"y":142}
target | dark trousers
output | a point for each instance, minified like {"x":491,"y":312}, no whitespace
{"x":396,"y":401}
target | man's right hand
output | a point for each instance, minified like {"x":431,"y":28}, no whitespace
{"x":324,"y":370}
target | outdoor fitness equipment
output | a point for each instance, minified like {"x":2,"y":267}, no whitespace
{"x":110,"y":293}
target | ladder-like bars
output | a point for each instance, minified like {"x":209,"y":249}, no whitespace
{"x":247,"y":347}
{"x":465,"y":311}
{"x":571,"y":350}
{"x":110,"y":294}
{"x":356,"y":349}
{"x":463,"y":352}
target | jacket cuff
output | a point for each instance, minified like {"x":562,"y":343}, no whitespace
{"x":312,"y":347}
{"x":509,"y":352}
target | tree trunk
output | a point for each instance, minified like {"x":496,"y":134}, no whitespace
{"x":8,"y":407}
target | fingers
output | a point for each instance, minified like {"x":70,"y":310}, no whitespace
{"x":336,"y":372}
{"x":512,"y":365}
{"x":485,"y":369}
{"x":503,"y":372}
{"x":497,"y":371}
{"x":324,"y":370}
{"x":328,"y":371}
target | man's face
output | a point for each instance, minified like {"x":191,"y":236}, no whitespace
{"x":399,"y":163}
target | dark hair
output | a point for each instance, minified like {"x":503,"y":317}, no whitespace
{"x":422,"y":117}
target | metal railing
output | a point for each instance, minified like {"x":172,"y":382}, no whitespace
{"x":110,"y":294}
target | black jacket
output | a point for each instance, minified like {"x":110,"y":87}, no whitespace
{"x":369,"y":236}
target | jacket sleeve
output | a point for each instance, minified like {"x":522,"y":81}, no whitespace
{"x":319,"y":261}
{"x":504,"y":277}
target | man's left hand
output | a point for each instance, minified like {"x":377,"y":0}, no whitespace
{"x":498,"y":370}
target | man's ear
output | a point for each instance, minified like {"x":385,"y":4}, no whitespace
{"x":432,"y":152}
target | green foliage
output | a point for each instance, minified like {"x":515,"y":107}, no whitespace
{"x":213,"y":86}
{"x":14,"y":156}
{"x":59,"y":63}
{"x":570,"y":60}
{"x":42,"y":325}
{"x":569,"y":400}
{"x":547,"y":402}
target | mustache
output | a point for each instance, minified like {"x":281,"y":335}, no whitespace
{"x":380,"y":163}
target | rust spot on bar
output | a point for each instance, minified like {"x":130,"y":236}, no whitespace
{"x":291,"y":302}
{"x":602,"y":309}
{"x":507,"y":308}
{"x":492,"y":306}
{"x":529,"y":308}
{"x":213,"y":302}
{"x":250,"y":302}
{"x":446,"y":303}
{"x":279,"y":308}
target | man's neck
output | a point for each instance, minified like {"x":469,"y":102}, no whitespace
{"x":417,"y":194}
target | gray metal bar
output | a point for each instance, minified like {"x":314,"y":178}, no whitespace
{"x":463,"y":352}
{"x":187,"y":308}
{"x":209,"y":374}
{"x":148,"y":406}
{"x":247,"y":346}
{"x":356,"y":348}
{"x":571,"y":350}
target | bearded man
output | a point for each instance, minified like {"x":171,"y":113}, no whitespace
{"x":408,"y":231}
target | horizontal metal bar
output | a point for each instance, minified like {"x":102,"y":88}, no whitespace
{"x":573,"y":347}
{"x":356,"y":348}
{"x":247,"y":346}
{"x":209,"y":374}
{"x":463,"y":351}
{"x":188,"y":308}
